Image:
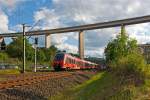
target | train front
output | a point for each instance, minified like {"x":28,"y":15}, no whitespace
{"x":58,"y":61}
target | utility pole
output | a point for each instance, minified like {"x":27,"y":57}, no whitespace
{"x":35,"y":53}
{"x":24,"y":48}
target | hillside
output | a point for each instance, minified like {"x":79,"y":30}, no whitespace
{"x":108,"y":86}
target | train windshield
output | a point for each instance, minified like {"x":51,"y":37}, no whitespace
{"x":59,"y":57}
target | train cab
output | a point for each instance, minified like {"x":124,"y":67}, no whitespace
{"x":58,"y":61}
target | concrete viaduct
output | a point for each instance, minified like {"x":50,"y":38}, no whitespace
{"x":81,"y":29}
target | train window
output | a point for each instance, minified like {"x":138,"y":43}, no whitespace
{"x":86,"y":64}
{"x":78,"y":64}
{"x":82,"y":63}
{"x":68,"y":60}
{"x":74,"y":61}
{"x":59,"y":57}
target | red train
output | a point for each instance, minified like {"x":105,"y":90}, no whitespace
{"x":63,"y":61}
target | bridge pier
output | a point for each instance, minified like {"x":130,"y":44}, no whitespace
{"x":47,"y":40}
{"x":81,"y":44}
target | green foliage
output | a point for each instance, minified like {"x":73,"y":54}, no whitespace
{"x":125,"y":81}
{"x":106,"y":86}
{"x":120,"y":47}
{"x":53,"y":51}
{"x":41,"y":55}
{"x":15,"y":49}
{"x":75,"y":55}
{"x":103,"y":86}
{"x":131,"y":67}
{"x":123,"y":53}
{"x":49,"y":54}
{"x":123,"y":56}
{"x":3,"y":56}
{"x":9,"y":71}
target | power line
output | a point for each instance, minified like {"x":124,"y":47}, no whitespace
{"x":36,"y":23}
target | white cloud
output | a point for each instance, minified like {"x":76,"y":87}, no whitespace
{"x":69,"y":48}
{"x":48,"y":18}
{"x":59,"y":39}
{"x":4,"y":22}
{"x":140,"y":31}
{"x":10,"y":3}
{"x":77,"y":12}
{"x":92,"y":11}
{"x":98,"y":52}
{"x":17,"y":28}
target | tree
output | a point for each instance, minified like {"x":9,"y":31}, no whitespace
{"x":15,"y":49}
{"x":50,"y":54}
{"x":76,"y":55}
{"x":120,"y":47}
{"x":125,"y":60}
{"x":41,"y":55}
{"x":3,"y":56}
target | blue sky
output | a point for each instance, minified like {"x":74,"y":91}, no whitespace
{"x":63,"y":13}
{"x":24,"y":12}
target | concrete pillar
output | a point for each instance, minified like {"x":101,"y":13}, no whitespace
{"x":47,"y":40}
{"x":81,"y":44}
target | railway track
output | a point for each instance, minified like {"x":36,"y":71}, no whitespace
{"x":27,"y":80}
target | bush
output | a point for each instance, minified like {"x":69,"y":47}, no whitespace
{"x":132,"y":67}
{"x":123,"y":56}
{"x":3,"y":56}
{"x":41,"y":56}
{"x":132,"y":62}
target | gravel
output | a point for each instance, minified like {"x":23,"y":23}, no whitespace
{"x":45,"y":89}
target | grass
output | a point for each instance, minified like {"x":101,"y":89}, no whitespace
{"x":106,"y":86}
{"x":9,"y":71}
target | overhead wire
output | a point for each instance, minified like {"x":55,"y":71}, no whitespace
{"x":33,"y":26}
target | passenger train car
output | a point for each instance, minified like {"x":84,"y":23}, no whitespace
{"x":63,"y":61}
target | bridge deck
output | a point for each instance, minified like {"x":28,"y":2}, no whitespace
{"x":129,"y":21}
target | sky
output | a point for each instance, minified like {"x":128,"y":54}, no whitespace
{"x":50,"y":14}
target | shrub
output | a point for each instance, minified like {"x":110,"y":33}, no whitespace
{"x":132,"y":67}
{"x":123,"y":56}
{"x":132,"y":62}
{"x":3,"y":56}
